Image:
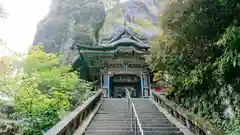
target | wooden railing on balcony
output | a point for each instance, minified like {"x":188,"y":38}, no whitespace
{"x":70,"y":123}
{"x":197,"y":125}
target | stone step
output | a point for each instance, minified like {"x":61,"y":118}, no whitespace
{"x":127,"y":119}
{"x":117,"y":132}
{"x":126,"y":105}
{"x":129,"y":122}
{"x":105,"y":103}
{"x":114,"y":99}
{"x":126,"y":110}
{"x":129,"y":125}
{"x":155,"y":109}
{"x":112,"y":115}
{"x":126,"y":116}
{"x":113,"y":118}
{"x":120,"y":112}
{"x":115,"y":105}
{"x":115,"y":110}
{"x":106,"y":114}
{"x":129,"y":128}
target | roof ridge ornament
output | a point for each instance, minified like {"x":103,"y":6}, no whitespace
{"x":125,"y":33}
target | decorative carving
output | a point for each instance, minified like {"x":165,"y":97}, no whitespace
{"x":126,"y":78}
{"x":125,"y":50}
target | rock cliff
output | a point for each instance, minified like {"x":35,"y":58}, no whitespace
{"x":141,"y":18}
{"x":67,"y":21}
{"x":70,"y":20}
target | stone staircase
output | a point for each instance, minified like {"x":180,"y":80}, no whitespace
{"x":152,"y":120}
{"x":113,"y":118}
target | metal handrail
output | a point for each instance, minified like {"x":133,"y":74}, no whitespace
{"x":132,"y":110}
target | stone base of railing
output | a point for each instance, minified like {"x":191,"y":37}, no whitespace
{"x":197,"y":125}
{"x":69,"y":124}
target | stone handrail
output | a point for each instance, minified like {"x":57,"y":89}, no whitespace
{"x":195,"y":124}
{"x":70,"y":123}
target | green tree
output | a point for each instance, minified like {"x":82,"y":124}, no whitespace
{"x":46,"y":91}
{"x":199,"y":50}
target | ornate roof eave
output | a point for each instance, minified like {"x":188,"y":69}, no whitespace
{"x":132,"y":37}
{"x":112,"y":51}
{"x":120,"y":43}
{"x":137,"y":38}
{"x":124,"y":41}
{"x":110,"y":39}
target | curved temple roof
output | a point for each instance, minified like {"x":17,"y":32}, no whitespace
{"x":124,"y":35}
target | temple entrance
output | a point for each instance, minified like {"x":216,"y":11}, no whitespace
{"x":120,"y":83}
{"x":118,"y":63}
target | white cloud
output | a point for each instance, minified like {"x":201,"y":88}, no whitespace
{"x":19,"y":28}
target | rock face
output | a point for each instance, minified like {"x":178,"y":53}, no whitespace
{"x":70,"y":20}
{"x":81,"y":20}
{"x":140,"y":16}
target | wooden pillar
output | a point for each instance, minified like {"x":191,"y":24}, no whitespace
{"x":108,"y":86}
{"x":142,"y":85}
{"x":101,"y":80}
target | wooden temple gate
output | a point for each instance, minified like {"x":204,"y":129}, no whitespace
{"x":116,"y":60}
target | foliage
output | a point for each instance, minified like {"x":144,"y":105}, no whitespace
{"x":8,"y":69}
{"x":46,"y":91}
{"x":237,"y":132}
{"x":199,"y":50}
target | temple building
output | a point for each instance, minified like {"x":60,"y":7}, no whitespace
{"x":118,"y":64}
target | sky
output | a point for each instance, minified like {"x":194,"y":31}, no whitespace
{"x":19,"y":28}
